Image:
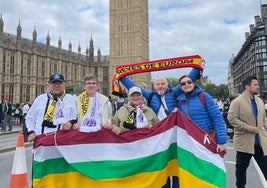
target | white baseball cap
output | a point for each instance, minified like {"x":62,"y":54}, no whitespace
{"x":134,"y":90}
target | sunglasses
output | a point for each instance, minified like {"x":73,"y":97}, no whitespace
{"x":187,"y":82}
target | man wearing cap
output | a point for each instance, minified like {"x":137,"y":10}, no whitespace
{"x":51,"y":111}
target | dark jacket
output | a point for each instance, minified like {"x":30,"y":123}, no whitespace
{"x":7,"y":108}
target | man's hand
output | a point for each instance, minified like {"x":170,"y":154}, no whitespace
{"x":31,"y":137}
{"x":67,"y":126}
{"x":254,"y":129}
{"x":221,"y":148}
{"x":117,"y":130}
{"x":107,"y":125}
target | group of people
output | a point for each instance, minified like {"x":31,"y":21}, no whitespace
{"x":18,"y":111}
{"x":90,"y":111}
{"x":6,"y":110}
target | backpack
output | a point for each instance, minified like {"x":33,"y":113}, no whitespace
{"x":201,"y":98}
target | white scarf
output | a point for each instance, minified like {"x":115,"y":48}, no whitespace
{"x":141,"y":120}
{"x":91,"y":121}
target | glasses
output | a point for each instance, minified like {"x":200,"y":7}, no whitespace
{"x":187,"y":82}
{"x":89,"y":83}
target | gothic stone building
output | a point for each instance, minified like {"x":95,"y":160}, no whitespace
{"x":26,"y":65}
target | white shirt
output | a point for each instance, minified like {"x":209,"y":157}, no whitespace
{"x":35,"y":115}
{"x":25,"y":108}
{"x":161,"y":113}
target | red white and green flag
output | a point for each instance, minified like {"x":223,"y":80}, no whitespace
{"x":140,"y":158}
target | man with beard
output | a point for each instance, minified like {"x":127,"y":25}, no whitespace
{"x":247,"y":116}
{"x":162,"y":100}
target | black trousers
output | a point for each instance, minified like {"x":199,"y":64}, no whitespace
{"x":242,"y":163}
{"x":175,"y":182}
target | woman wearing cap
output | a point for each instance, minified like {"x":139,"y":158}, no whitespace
{"x":200,"y":107}
{"x":134,"y":114}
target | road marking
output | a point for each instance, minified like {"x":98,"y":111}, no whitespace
{"x":262,"y":178}
{"x":230,"y":162}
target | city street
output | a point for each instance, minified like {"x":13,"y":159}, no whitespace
{"x":7,"y":156}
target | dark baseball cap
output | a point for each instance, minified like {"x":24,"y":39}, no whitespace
{"x":56,"y":78}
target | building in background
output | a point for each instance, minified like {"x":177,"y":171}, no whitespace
{"x":25,"y":65}
{"x":252,"y":57}
{"x":129,"y":36}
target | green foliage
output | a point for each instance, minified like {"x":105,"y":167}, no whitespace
{"x":73,"y":89}
{"x":217,"y":91}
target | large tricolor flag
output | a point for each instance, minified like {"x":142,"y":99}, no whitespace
{"x":139,"y":158}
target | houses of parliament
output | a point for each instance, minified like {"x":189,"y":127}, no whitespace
{"x":26,"y":64}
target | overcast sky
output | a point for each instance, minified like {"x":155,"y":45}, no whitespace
{"x":210,"y":28}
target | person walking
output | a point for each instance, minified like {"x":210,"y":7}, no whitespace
{"x":7,"y":110}
{"x":1,"y":116}
{"x":247,"y":115}
{"x":51,"y":111}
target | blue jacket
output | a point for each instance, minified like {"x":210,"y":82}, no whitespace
{"x":207,"y":116}
{"x":170,"y":95}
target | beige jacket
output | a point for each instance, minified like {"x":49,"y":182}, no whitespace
{"x":241,"y":117}
{"x":126,"y":109}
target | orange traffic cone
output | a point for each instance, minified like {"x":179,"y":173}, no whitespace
{"x":19,"y":177}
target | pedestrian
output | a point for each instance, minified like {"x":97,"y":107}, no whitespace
{"x":200,"y":107}
{"x":1,"y":116}
{"x":247,"y":116}
{"x":26,"y":108}
{"x":133,"y":114}
{"x":7,"y":110}
{"x":162,"y":100}
{"x":94,"y":109}
{"x":17,"y":113}
{"x":51,"y":111}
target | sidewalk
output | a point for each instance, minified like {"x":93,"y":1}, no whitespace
{"x":15,"y":129}
{"x":12,"y":145}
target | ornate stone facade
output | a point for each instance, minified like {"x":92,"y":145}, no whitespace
{"x":129,"y":36}
{"x":25,"y":65}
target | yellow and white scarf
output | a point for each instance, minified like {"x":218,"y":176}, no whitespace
{"x":90,"y":113}
{"x":54,"y":110}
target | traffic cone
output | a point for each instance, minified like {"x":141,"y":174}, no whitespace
{"x":19,"y":178}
